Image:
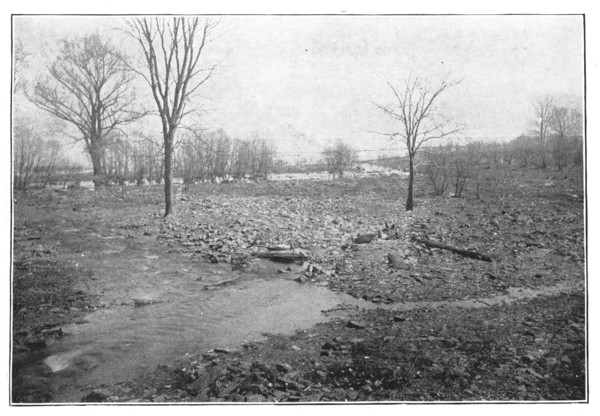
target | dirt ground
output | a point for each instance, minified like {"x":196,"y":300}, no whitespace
{"x":425,"y":342}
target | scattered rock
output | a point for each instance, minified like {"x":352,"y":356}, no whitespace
{"x":255,"y":398}
{"x":322,"y":374}
{"x":396,"y":262}
{"x":206,"y":376}
{"x":283,"y":367}
{"x":328,"y":346}
{"x":356,"y":325}
{"x":367,"y":389}
{"x":352,"y":395}
{"x":364,"y":239}
{"x":95,"y":396}
{"x":36,"y":343}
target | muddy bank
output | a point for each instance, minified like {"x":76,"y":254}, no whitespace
{"x":526,"y":351}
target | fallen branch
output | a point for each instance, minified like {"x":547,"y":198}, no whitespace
{"x":223,"y":283}
{"x":282,"y":256}
{"x":466,"y":253}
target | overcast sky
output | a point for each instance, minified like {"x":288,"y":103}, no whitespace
{"x":304,"y":82}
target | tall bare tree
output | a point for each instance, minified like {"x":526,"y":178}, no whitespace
{"x":419,"y":118}
{"x":543,"y":113}
{"x":89,"y":87}
{"x":172,"y":50}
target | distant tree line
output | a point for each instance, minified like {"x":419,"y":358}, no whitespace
{"x":213,"y":156}
{"x":39,"y":161}
{"x":197,"y":157}
{"x":555,"y":141}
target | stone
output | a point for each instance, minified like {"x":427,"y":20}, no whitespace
{"x":364,"y":239}
{"x":283,"y":367}
{"x":205,"y":379}
{"x":367,"y":389}
{"x":352,"y":395}
{"x":328,"y":346}
{"x":356,"y":325}
{"x":315,"y":397}
{"x":322,"y":374}
{"x":95,"y":396}
{"x":148,"y":394}
{"x":35,"y":343}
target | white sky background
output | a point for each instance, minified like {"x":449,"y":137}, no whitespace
{"x":305,"y":81}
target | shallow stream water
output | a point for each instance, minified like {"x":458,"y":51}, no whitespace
{"x":183,"y":312}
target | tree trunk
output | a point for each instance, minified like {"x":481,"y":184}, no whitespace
{"x":168,"y":179}
{"x":96,"y":156}
{"x":542,"y":152}
{"x":411,"y":183}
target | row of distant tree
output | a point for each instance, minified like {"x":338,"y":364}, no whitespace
{"x":555,"y":142}
{"x":39,"y":161}
{"x":198,"y":157}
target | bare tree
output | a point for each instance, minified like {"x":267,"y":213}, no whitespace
{"x":420,"y":119}
{"x":20,"y":58}
{"x":566,"y":124}
{"x":37,"y":160}
{"x":172,"y":51}
{"x":339,"y":157}
{"x":90,"y":89}
{"x":27,"y":154}
{"x":438,"y":161}
{"x":543,"y":113}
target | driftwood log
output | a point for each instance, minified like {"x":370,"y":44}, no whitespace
{"x":466,"y":253}
{"x":221,"y":284}
{"x":281,"y":256}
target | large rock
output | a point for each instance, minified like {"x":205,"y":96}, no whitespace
{"x":356,"y":325}
{"x":396,"y":262}
{"x":95,"y":396}
{"x":364,"y":239}
{"x":206,"y":377}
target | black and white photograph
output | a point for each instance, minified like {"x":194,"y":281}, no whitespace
{"x":297,"y":208}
